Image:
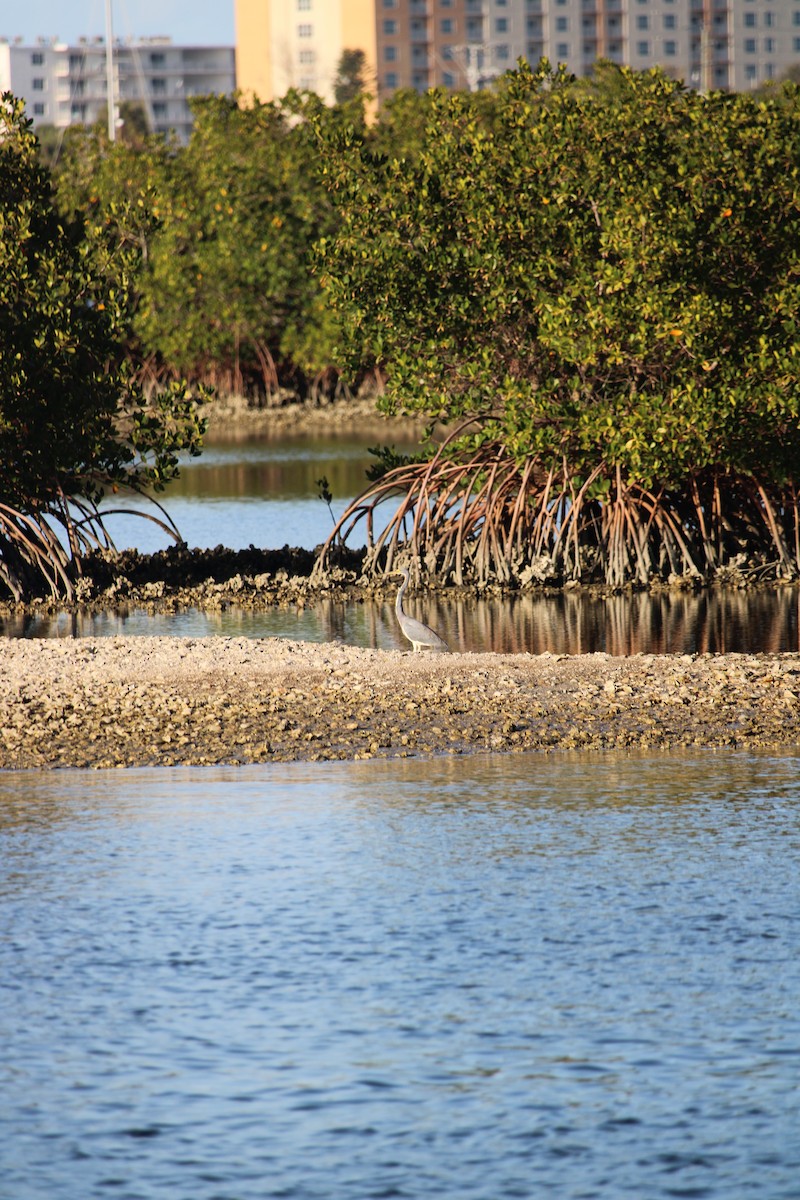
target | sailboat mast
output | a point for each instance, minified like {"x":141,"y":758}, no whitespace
{"x":110,"y":88}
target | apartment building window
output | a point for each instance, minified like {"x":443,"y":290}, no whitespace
{"x":304,"y":5}
{"x":797,"y":45}
{"x":769,"y":19}
{"x":390,"y":53}
{"x":669,"y":20}
{"x":750,"y":73}
{"x":390,"y":3}
{"x":501,"y":25}
{"x":391,"y":79}
{"x":447,"y":25}
{"x":502,"y":53}
{"x":796,"y":17}
{"x":307,"y":57}
{"x":670,"y":49}
{"x":38,"y":85}
{"x":449,"y":80}
{"x":305,"y":31}
{"x":38,"y":110}
{"x":37,"y":58}
{"x":157,"y":59}
{"x":749,"y":20}
{"x":159,"y":109}
{"x":643,"y":49}
{"x":643,"y":22}
{"x":390,"y":28}
{"x":562,"y":50}
{"x":749,"y":45}
{"x":562,"y":24}
{"x":769,"y":45}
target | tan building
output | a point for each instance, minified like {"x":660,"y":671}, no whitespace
{"x":710,"y":44}
{"x":281,"y":44}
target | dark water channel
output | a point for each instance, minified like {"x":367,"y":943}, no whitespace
{"x":472,"y":979}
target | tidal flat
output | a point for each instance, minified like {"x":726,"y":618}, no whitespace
{"x":164,"y":701}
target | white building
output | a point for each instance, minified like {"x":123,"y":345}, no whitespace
{"x":67,"y":85}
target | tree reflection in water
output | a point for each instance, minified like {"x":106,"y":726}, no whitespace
{"x":716,"y":621}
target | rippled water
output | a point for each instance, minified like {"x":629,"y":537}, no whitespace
{"x":513,"y":977}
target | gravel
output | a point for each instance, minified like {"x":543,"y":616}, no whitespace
{"x":114,"y":702}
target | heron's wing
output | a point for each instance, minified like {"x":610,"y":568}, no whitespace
{"x":418,"y":631}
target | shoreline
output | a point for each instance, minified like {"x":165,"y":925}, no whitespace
{"x":165,"y":701}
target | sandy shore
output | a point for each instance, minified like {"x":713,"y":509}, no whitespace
{"x":161,"y":701}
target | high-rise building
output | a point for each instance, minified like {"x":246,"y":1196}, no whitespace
{"x":67,"y":85}
{"x":710,"y":44}
{"x":281,"y":44}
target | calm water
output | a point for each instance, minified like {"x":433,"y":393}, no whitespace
{"x":669,"y":624}
{"x":519,"y":977}
{"x":262,"y":493}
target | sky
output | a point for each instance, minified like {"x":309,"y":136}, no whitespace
{"x":190,"y":22}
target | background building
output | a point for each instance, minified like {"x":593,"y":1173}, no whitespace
{"x":67,"y":85}
{"x":733,"y":44}
{"x":282,"y":44}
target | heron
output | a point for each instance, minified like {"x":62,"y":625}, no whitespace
{"x":421,"y":636}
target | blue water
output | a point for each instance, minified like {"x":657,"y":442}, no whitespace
{"x":264,"y":493}
{"x":528,"y":976}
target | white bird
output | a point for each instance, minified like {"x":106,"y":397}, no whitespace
{"x":421,"y":636}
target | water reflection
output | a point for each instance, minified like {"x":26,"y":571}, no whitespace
{"x":262,"y":493}
{"x":720,"y":622}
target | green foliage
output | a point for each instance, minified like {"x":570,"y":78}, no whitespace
{"x":350,"y":82}
{"x":226,"y":290}
{"x":602,"y":277}
{"x":72,"y":420}
{"x":612,"y":275}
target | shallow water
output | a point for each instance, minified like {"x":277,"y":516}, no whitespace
{"x":674,"y":623}
{"x":263,"y":493}
{"x":521,"y":976}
